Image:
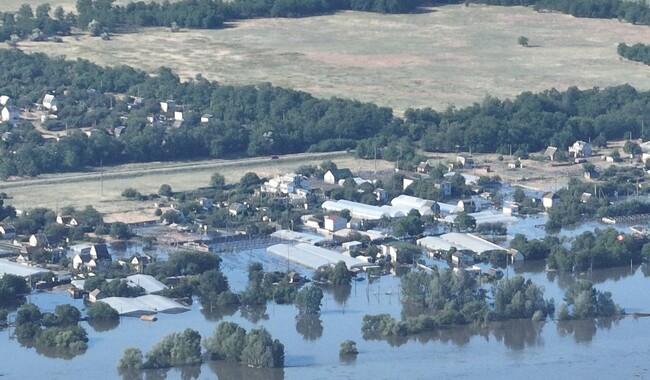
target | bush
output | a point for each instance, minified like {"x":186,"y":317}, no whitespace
{"x":131,"y":193}
{"x":165,"y":190}
{"x":348,"y":348}
{"x":131,"y":359}
{"x":101,"y":311}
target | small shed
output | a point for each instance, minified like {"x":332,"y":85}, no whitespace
{"x":206,"y":118}
{"x":352,"y":246}
{"x":167,"y":106}
{"x":50,"y":102}
{"x":334,"y":223}
{"x":550,"y":199}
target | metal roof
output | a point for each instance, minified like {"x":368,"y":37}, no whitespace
{"x":298,"y":236}
{"x":144,"y":305}
{"x":22,"y":270}
{"x":312,"y":256}
{"x":147,"y":282}
{"x":470,"y":242}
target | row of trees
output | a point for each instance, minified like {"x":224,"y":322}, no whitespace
{"x":35,"y":24}
{"x":229,"y":342}
{"x":638,"y":52}
{"x":61,"y":329}
{"x":635,"y":12}
{"x":262,"y":120}
{"x":211,"y":14}
{"x":456,"y":299}
{"x":589,"y":250}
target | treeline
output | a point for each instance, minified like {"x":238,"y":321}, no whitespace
{"x":635,"y":12}
{"x":638,"y":52}
{"x":229,"y":341}
{"x":211,"y":14}
{"x":25,"y":23}
{"x":247,"y":120}
{"x":266,"y":120}
{"x":590,"y":250}
{"x":445,"y":298}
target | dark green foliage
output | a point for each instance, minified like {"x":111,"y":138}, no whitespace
{"x":449,"y":298}
{"x":130,"y":192}
{"x":217,"y":181}
{"x":598,"y":249}
{"x":62,"y":330}
{"x":101,"y":311}
{"x":174,"y":350}
{"x":255,"y":349}
{"x":11,"y":288}
{"x":226,"y":343}
{"x":4,"y":313}
{"x":633,"y":207}
{"x":67,"y":314}
{"x":410,"y":225}
{"x":340,"y":274}
{"x":583,"y":301}
{"x":165,"y":190}
{"x":210,"y":14}
{"x":348,"y":347}
{"x":638,"y":52}
{"x":308,"y":300}
{"x":70,"y":337}
{"x":536,"y":249}
{"x":120,"y":230}
{"x":465,"y":222}
{"x":260,"y":350}
{"x":185,"y":263}
{"x":131,"y":359}
{"x":498,"y":228}
{"x":519,"y":298}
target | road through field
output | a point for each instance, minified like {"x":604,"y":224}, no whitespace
{"x":103,"y":189}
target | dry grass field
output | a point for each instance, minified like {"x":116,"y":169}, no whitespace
{"x":452,"y":55}
{"x":80,"y":189}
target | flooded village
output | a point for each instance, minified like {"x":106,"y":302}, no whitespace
{"x":479,"y":217}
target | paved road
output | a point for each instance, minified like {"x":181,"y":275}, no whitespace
{"x":127,"y":171}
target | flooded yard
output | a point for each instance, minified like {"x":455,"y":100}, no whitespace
{"x":579,"y":349}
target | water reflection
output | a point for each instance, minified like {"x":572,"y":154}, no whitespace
{"x":58,"y":352}
{"x":518,"y":334}
{"x":215,"y":313}
{"x":227,"y":370}
{"x":341,"y":293}
{"x":103,"y":326}
{"x":255,"y":313}
{"x":584,"y":330}
{"x":310,"y":327}
{"x":597,"y":276}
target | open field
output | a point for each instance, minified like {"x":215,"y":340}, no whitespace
{"x":80,"y":189}
{"x":452,"y":55}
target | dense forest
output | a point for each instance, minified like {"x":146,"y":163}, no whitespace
{"x":637,"y":52}
{"x":211,"y":14}
{"x":635,"y":12}
{"x":264,"y":120}
{"x":36,"y":25}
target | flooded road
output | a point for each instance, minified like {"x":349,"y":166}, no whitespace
{"x":602,"y":349}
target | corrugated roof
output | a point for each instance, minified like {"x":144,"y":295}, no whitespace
{"x":144,"y":305}
{"x":435,"y":243}
{"x":22,"y":270}
{"x":148,"y":283}
{"x":298,"y":236}
{"x":311,"y":256}
{"x":470,"y":242}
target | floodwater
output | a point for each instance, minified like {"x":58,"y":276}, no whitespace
{"x":602,"y":349}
